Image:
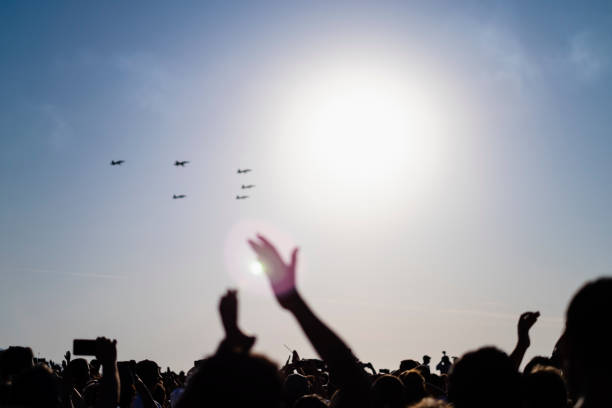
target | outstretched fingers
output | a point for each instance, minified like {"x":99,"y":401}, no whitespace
{"x":294,"y":255}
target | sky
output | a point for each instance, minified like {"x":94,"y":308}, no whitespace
{"x":443,"y":166}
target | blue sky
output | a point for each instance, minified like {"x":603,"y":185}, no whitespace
{"x":509,"y":101}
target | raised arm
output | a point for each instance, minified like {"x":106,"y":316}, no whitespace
{"x":343,"y":364}
{"x":235,"y":340}
{"x":106,"y":353}
{"x":525,"y":323}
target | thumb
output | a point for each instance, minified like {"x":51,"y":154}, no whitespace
{"x":294,"y":258}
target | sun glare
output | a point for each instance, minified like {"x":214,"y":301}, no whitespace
{"x":364,"y":131}
{"x":256,"y":268}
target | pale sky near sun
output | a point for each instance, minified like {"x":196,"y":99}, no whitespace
{"x":443,"y":167}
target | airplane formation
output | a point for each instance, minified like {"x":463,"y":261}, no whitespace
{"x":244,"y":187}
{"x":182,"y":163}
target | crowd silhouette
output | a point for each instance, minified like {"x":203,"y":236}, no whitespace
{"x":577,"y":373}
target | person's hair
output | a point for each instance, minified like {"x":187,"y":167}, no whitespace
{"x":544,"y":388}
{"x":37,"y":387}
{"x":388,"y":391}
{"x":430,"y":403}
{"x":588,"y":336}
{"x":237,"y":380}
{"x":438,"y":381}
{"x":310,"y":401}
{"x":148,"y":371}
{"x":294,"y":386}
{"x":15,"y":360}
{"x":483,"y":377}
{"x":408,"y":364}
{"x":414,"y":384}
{"x":537,"y":361}
{"x":79,"y":369}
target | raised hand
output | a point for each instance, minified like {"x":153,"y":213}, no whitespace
{"x":67,"y":356}
{"x":295,"y":357}
{"x":106,"y":351}
{"x":340,"y":359}
{"x":235,"y":339}
{"x":280,"y":274}
{"x":228,"y":309}
{"x":525,"y":323}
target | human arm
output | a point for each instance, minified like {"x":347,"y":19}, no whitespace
{"x":106,"y":353}
{"x":328,"y":344}
{"x":525,"y":323}
{"x":235,"y":340}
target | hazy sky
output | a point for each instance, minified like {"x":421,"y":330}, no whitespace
{"x":443,"y":167}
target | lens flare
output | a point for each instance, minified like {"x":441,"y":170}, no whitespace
{"x":257,"y":268}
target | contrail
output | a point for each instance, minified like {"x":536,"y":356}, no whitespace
{"x":77,"y":274}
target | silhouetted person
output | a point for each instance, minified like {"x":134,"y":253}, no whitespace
{"x":431,"y":403}
{"x":484,"y":378}
{"x":148,"y":372}
{"x":544,"y":388}
{"x":538,"y":361}
{"x":444,"y":365}
{"x":586,"y":342}
{"x":345,"y":370}
{"x":414,"y":384}
{"x":310,"y":401}
{"x":37,"y":387}
{"x":408,"y":364}
{"x":295,"y":386}
{"x":232,"y":377}
{"x":388,"y":392}
{"x":525,"y":323}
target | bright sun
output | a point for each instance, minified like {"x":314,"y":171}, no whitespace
{"x":363,"y":130}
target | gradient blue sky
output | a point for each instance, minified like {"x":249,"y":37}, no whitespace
{"x":512,"y":214}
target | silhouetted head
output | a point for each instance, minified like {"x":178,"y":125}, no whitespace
{"x":544,"y":388}
{"x":387,"y":391}
{"x":426,"y":359}
{"x":430,"y":403}
{"x":424,"y":371}
{"x":408,"y":364}
{"x":484,"y":377}
{"x":79,"y":370}
{"x":537,"y":361}
{"x":148,"y":371}
{"x":15,"y":360}
{"x":438,"y":381}
{"x":94,"y":368}
{"x":414,"y":384}
{"x":310,"y":401}
{"x":295,"y":386}
{"x":238,"y":380}
{"x":36,"y":387}
{"x":587,"y":338}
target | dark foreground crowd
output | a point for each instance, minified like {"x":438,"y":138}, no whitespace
{"x":576,"y":374}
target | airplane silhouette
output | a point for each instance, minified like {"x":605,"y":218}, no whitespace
{"x":241,"y":197}
{"x":180,"y":163}
{"x":116,"y":162}
{"x":247,"y":186}
{"x":243,"y":171}
{"x":174,"y":196}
